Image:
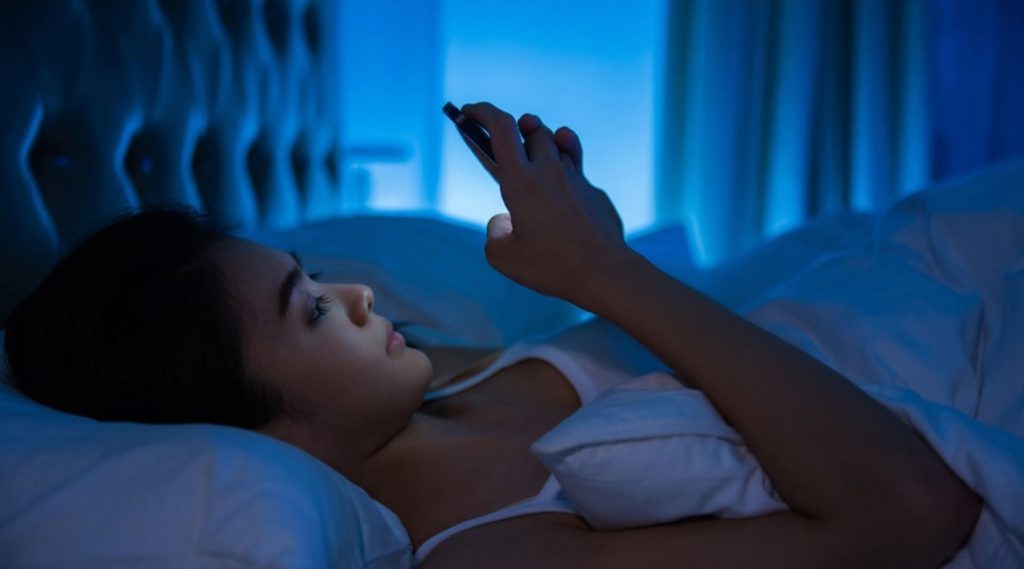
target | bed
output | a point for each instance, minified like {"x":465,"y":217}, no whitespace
{"x":240,"y":116}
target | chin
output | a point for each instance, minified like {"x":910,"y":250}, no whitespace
{"x":426,"y":365}
{"x":426,"y":358}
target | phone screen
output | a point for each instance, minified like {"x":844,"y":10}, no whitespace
{"x":472,"y":129}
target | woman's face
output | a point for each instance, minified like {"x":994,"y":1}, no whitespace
{"x":323,"y":347}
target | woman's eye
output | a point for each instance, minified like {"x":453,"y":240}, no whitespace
{"x":315,"y":276}
{"x":319,"y":308}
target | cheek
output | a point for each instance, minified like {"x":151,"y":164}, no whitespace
{"x":343,"y":373}
{"x":352,"y":353}
{"x":378,"y":383}
{"x":306,"y":372}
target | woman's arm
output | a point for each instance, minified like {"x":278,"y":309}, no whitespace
{"x":863,"y":489}
{"x":858,"y":480}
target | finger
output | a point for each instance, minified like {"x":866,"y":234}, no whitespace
{"x":569,"y":143}
{"x":540,"y":141}
{"x":567,"y":161}
{"x":505,"y":141}
{"x":528,"y":123}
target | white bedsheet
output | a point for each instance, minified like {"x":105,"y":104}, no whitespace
{"x":929,"y":317}
{"x":923,"y":308}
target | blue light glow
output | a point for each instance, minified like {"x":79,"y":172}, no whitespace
{"x":592,"y":66}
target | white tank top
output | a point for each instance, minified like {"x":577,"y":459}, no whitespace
{"x":594,"y":356}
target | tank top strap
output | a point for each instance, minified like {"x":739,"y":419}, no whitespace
{"x":549,"y":499}
{"x":588,"y":383}
{"x":511,"y":355}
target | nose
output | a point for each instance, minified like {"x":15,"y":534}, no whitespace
{"x":358,"y":301}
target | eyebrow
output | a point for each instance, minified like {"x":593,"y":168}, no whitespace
{"x":288,"y":285}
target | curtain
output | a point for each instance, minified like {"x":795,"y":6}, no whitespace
{"x":778,"y":111}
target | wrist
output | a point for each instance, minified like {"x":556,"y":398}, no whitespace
{"x":609,"y":280}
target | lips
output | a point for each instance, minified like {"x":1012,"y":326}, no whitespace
{"x":395,"y":341}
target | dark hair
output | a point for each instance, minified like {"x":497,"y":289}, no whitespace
{"x":137,"y":323}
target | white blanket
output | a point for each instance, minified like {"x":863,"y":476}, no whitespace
{"x":924,"y":309}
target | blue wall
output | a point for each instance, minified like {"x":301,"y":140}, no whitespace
{"x":593,"y":66}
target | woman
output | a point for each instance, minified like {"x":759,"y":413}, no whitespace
{"x":231,"y":332}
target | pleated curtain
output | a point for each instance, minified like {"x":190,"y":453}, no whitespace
{"x":778,"y":111}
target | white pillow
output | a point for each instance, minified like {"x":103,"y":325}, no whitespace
{"x":738,"y":281}
{"x":80,"y":493}
{"x":650,"y":451}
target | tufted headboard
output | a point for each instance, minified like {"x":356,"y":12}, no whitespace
{"x":105,"y":105}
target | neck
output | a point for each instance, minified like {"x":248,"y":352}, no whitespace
{"x":346,"y":455}
{"x":388,"y":465}
{"x":424,"y":475}
{"x":421,"y":473}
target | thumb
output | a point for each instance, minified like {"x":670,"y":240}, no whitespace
{"x":499,"y":227}
{"x":499,"y":236}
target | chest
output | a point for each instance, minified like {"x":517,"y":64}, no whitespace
{"x":490,"y":465}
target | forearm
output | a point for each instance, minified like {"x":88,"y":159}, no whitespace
{"x":829,"y":449}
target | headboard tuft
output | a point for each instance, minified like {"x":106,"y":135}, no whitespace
{"x":229,"y":106}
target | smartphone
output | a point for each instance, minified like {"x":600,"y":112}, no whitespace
{"x":475,"y":133}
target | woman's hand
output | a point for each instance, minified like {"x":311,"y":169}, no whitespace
{"x":560,"y":232}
